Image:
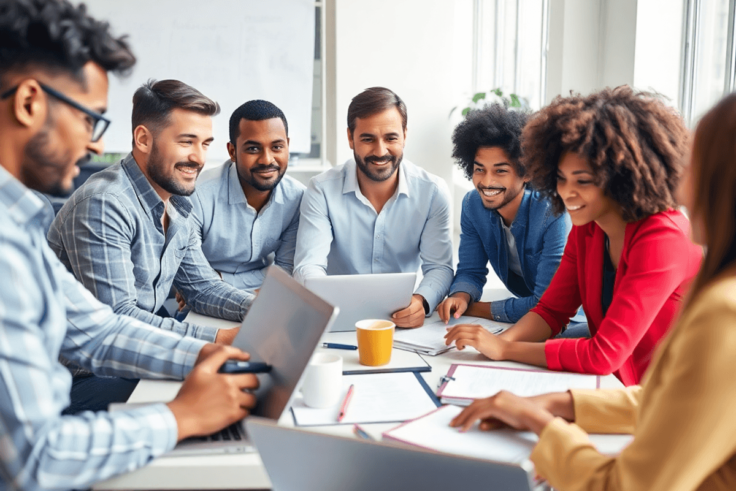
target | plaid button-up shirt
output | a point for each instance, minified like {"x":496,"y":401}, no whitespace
{"x":110,"y":235}
{"x":45,"y":312}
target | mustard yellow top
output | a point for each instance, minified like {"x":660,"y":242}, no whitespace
{"x":683,"y":416}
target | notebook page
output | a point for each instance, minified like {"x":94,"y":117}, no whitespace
{"x":433,"y":432}
{"x":377,"y":398}
{"x":432,"y":334}
{"x":475,"y":382}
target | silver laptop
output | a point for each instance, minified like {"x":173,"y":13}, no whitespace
{"x":282,"y":328}
{"x":347,"y":463}
{"x":364,"y":296}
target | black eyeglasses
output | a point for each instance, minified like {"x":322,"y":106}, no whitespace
{"x":99,"y":122}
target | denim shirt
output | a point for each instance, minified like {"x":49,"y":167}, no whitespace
{"x":540,"y":241}
{"x":110,"y":235}
{"x":236,"y":239}
{"x":44,"y":313}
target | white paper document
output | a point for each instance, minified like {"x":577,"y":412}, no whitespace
{"x":430,"y":338}
{"x":433,"y":432}
{"x":377,"y":398}
{"x":464,"y":383}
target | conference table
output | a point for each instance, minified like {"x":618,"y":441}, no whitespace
{"x":245,"y":471}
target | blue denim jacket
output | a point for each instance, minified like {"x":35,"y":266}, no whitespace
{"x":540,"y":239}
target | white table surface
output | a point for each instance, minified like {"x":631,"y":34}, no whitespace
{"x":245,"y":471}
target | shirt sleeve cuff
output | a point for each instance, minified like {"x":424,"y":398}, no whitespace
{"x":498,"y":311}
{"x":204,"y":333}
{"x":161,"y":423}
{"x":552,"y":348}
{"x":430,"y":297}
{"x":186,"y":354}
{"x":466,"y":287}
{"x":551,"y":455}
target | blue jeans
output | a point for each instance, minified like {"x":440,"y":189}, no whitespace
{"x":93,"y":393}
{"x":575,"y":330}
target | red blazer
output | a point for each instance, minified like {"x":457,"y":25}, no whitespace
{"x":657,"y":263}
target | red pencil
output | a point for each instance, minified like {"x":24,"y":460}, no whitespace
{"x":344,"y":407}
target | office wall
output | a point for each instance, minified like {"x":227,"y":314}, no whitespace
{"x":406,"y":46}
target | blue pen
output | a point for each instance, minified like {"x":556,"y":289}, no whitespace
{"x":361,"y":433}
{"x":339,"y":346}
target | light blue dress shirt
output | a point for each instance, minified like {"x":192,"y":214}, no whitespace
{"x":44,"y":313}
{"x":110,"y":235}
{"x":237,"y":240}
{"x":341,"y":233}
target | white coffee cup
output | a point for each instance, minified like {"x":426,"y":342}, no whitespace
{"x":323,"y":380}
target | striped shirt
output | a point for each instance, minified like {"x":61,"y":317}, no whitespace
{"x":44,"y":313}
{"x":110,"y":235}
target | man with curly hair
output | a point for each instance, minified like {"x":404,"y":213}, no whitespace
{"x":54,"y":61}
{"x":503,"y":221}
{"x":612,"y":160}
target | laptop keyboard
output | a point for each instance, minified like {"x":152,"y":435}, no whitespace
{"x":231,"y":433}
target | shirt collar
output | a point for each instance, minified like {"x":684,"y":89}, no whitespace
{"x":149,"y":199}
{"x":22,"y":206}
{"x":235,"y":190}
{"x":350,"y":183}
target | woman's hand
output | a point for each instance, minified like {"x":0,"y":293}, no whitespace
{"x":504,"y":409}
{"x":479,"y":338}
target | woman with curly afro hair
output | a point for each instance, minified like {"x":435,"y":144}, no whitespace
{"x":681,"y":417}
{"x":613,"y":160}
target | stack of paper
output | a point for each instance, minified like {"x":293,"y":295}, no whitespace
{"x":377,"y":398}
{"x":430,"y":339}
{"x":433,"y":432}
{"x":465,"y":383}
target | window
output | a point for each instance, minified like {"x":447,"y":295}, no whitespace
{"x":510,"y":47}
{"x":709,"y":69}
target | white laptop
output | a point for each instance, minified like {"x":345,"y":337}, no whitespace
{"x":283,"y":327}
{"x":364,"y":296}
{"x":358,"y":465}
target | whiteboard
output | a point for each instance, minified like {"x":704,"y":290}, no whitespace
{"x":230,"y":50}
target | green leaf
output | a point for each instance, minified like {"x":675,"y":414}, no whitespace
{"x":479,"y":96}
{"x":515,"y":102}
{"x":498,"y":92}
{"x":465,"y":111}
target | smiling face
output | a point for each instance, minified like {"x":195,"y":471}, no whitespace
{"x":178,"y":152}
{"x":495,"y":178}
{"x":378,"y":144}
{"x":260,"y":153}
{"x":584,"y":200}
{"x":51,"y":156}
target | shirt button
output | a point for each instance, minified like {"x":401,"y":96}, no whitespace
{"x":378,"y":236}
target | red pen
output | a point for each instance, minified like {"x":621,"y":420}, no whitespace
{"x":344,"y":407}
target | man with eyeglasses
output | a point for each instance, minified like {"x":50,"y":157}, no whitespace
{"x":53,"y":89}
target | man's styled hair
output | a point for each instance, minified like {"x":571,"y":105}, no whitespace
{"x":56,"y":36}
{"x":634,"y":143}
{"x":255,"y":110}
{"x":154,"y":101}
{"x":492,"y":126}
{"x":372,"y":101}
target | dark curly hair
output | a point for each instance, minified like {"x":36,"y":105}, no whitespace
{"x":492,"y":126}
{"x":633,"y":142}
{"x":56,"y":36}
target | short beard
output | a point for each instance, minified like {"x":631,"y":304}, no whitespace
{"x":42,"y":170}
{"x":378,"y":176}
{"x":157,"y":173}
{"x":253,"y":182}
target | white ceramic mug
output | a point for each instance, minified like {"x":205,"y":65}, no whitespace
{"x":323,"y":380}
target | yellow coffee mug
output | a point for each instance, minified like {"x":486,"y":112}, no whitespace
{"x":375,"y":341}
